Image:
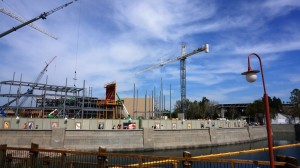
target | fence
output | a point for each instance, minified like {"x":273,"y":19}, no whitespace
{"x":35,"y":157}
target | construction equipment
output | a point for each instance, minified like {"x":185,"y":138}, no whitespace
{"x":20,"y":19}
{"x":182,"y":59}
{"x":30,"y":90}
{"x":51,"y":114}
{"x":125,"y":112}
{"x":41,"y":16}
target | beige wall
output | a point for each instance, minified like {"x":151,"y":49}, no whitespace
{"x":139,"y":107}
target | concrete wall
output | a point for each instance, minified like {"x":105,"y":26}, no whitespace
{"x":130,"y":140}
{"x":112,"y":140}
{"x":283,"y":128}
{"x":92,"y":124}
{"x":285,"y":131}
{"x":184,"y":138}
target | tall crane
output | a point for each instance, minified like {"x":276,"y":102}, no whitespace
{"x":30,"y":90}
{"x":20,"y":19}
{"x":41,"y":16}
{"x":182,"y":59}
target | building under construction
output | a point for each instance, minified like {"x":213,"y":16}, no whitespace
{"x":44,"y":100}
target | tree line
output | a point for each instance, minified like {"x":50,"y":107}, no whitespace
{"x":208,"y":109}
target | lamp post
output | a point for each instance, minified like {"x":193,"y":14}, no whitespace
{"x":251,"y":77}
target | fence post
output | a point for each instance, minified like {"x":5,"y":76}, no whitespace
{"x":33,"y":153}
{"x":3,"y":155}
{"x":174,"y":165}
{"x":186,"y":163}
{"x":63,"y":160}
{"x":291,"y":162}
{"x":102,"y":160}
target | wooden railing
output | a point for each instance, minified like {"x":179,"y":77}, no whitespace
{"x":37,"y":157}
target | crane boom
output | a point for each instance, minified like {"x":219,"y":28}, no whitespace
{"x":20,"y":19}
{"x":182,"y":59}
{"x":126,"y":114}
{"x":203,"y":48}
{"x":29,"y":91}
{"x":44,"y":70}
{"x":41,"y":16}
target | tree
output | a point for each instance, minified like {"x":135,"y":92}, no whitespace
{"x":195,"y":110}
{"x":177,"y":109}
{"x":204,"y":104}
{"x":295,"y":101}
{"x":275,"y":106}
{"x":232,"y":113}
{"x":256,"y":110}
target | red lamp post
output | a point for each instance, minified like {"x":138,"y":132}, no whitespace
{"x":251,"y":77}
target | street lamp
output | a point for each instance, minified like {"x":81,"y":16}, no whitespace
{"x":251,"y":77}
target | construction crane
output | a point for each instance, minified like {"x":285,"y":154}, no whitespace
{"x":20,"y":19}
{"x":41,"y":16}
{"x":126,"y":114}
{"x":182,"y":59}
{"x":30,"y":90}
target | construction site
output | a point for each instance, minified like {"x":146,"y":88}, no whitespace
{"x":49,"y":101}
{"x":41,"y":100}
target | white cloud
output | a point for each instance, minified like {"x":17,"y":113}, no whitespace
{"x":118,"y":38}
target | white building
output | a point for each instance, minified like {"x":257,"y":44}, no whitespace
{"x":284,"y":119}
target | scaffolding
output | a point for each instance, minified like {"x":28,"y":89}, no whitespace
{"x":71,"y":102}
{"x":113,"y":107}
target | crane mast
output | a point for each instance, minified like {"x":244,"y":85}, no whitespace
{"x":183,"y":79}
{"x":41,"y":16}
{"x":182,"y":59}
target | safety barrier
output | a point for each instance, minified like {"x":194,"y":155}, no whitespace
{"x":36,"y":157}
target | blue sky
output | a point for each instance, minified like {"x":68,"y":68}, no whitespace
{"x":111,"y":40}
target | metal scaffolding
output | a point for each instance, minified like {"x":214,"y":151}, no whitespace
{"x":41,"y":99}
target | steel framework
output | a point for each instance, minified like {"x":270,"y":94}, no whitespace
{"x":71,"y":102}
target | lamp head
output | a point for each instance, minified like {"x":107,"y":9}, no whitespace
{"x":206,"y":48}
{"x":251,"y":75}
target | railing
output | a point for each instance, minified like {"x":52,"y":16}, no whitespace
{"x":35,"y":157}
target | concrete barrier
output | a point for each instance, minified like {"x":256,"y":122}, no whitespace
{"x":130,"y":140}
{"x":93,"y":124}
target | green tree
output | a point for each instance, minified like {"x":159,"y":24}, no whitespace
{"x":177,"y":109}
{"x":204,"y":110}
{"x":295,"y":101}
{"x":232,"y":113}
{"x":275,"y":105}
{"x":256,"y":110}
{"x":195,"y":110}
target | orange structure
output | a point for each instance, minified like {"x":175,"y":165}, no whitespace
{"x":112,"y":108}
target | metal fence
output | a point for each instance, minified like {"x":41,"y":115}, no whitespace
{"x":35,"y":157}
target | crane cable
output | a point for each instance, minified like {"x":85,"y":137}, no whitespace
{"x":77,"y":43}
